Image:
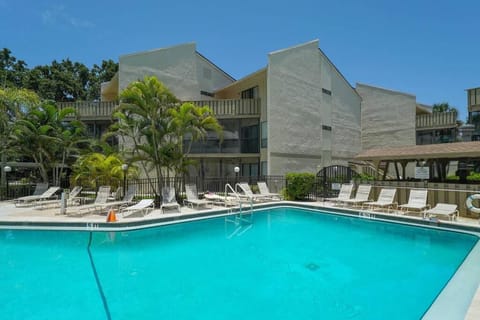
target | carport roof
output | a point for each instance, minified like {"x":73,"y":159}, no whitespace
{"x":456,"y":150}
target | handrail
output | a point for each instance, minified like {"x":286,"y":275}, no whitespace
{"x":237,"y":185}
{"x":228,"y":186}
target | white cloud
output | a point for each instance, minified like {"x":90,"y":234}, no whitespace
{"x":57,"y":15}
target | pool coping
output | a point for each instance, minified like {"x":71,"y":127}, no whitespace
{"x":145,"y":222}
{"x":446,"y":296}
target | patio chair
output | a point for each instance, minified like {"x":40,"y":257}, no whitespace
{"x":417,"y":201}
{"x":386,"y":199}
{"x":127,"y":199}
{"x":264,"y":191}
{"x":102,"y":197}
{"x":244,"y":191}
{"x":30,"y":200}
{"x":73,"y":200}
{"x":168,"y":199}
{"x":362,"y":195}
{"x":144,"y":206}
{"x":192,"y":197}
{"x":225,"y":200}
{"x":40,"y":188}
{"x":443,"y":210}
{"x":116,"y":195}
{"x":344,"y":193}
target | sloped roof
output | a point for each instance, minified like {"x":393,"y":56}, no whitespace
{"x":457,"y":150}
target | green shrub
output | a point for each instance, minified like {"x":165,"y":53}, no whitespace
{"x":453,"y":178}
{"x":474,"y":176}
{"x":299,"y":185}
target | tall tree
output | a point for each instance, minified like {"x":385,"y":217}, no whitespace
{"x":13,"y":104}
{"x":12,"y":71}
{"x":443,"y":107}
{"x":152,"y":124}
{"x":99,"y":74}
{"x":191,"y":123}
{"x":44,"y":136}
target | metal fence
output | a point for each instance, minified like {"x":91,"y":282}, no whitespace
{"x":148,"y":188}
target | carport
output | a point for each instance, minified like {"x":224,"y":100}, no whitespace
{"x":435,"y":157}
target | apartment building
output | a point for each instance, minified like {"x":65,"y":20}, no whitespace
{"x":296,"y":114}
{"x":395,"y":119}
{"x":473,"y":105}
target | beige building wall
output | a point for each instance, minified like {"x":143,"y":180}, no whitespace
{"x":310,"y":109}
{"x":388,"y":117}
{"x":185,"y":72}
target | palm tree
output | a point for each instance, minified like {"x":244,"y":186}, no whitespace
{"x":192,"y":123}
{"x":143,"y":125}
{"x":153,"y":125}
{"x":94,"y":168}
{"x":44,"y":135}
{"x":12,"y":104}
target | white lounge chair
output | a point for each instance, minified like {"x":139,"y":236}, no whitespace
{"x":443,"y":210}
{"x":30,"y":200}
{"x":344,"y":194}
{"x":225,"y":200}
{"x":192,"y":197}
{"x":73,"y":200}
{"x":362,"y":195}
{"x":127,"y":199}
{"x":417,"y":201}
{"x":144,"y":206}
{"x":264,"y":191}
{"x":40,"y":188}
{"x":102,"y":197}
{"x":386,"y":199}
{"x":168,"y":199}
{"x":244,"y":191}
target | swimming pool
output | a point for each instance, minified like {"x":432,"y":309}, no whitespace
{"x":287,"y":264}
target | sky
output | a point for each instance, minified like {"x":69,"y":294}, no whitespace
{"x":429,"y":49}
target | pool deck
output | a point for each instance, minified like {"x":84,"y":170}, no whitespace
{"x":29,"y":217}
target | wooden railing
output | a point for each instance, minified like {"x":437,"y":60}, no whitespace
{"x":232,"y":107}
{"x":91,"y":109}
{"x":436,"y":120}
{"x":221,"y":108}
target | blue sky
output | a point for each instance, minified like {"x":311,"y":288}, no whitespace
{"x":426,"y":48}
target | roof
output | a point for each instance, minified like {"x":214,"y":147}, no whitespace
{"x":456,"y":150}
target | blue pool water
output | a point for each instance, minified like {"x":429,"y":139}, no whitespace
{"x":289,"y":264}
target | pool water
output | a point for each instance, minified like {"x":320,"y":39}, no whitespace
{"x":288,"y":264}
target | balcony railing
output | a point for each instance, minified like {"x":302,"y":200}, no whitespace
{"x":91,"y":109}
{"x":436,"y":120}
{"x":232,"y":107}
{"x":221,"y":108}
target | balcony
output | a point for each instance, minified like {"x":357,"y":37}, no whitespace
{"x":232,"y":108}
{"x":227,"y":108}
{"x":436,"y":120}
{"x":91,"y":110}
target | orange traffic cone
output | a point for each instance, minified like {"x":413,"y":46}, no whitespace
{"x":111,"y":217}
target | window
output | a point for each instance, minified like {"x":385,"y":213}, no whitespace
{"x":264,"y":136}
{"x":326,"y":128}
{"x":249,"y":139}
{"x":327,"y":91}
{"x":249,"y":170}
{"x":206,"y":93}
{"x":251,"y":93}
